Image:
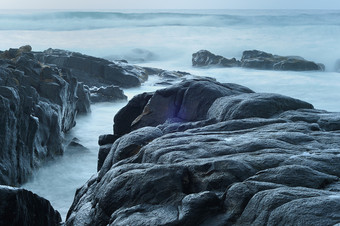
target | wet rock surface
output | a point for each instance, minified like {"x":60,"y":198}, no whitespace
{"x":92,"y":71}
{"x":22,"y":207}
{"x":235,"y":158}
{"x":256,"y":59}
{"x":38,"y":104}
{"x":107,"y":94}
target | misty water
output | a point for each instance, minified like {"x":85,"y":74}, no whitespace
{"x":167,"y":39}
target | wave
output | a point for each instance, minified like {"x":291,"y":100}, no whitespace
{"x":73,"y":20}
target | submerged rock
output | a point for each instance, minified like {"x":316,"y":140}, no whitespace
{"x":234,"y":158}
{"x":256,"y":59}
{"x":38,"y":103}
{"x":22,"y":207}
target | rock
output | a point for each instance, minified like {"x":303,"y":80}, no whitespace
{"x":262,"y":60}
{"x":291,"y":206}
{"x":205,"y":58}
{"x":107,"y":94}
{"x":14,"y":53}
{"x":107,"y":139}
{"x":90,"y":70}
{"x":83,"y":103}
{"x":125,"y":116}
{"x":38,"y":105}
{"x":256,"y":59}
{"x":261,"y":105}
{"x":22,"y":207}
{"x":184,"y":102}
{"x":75,"y":146}
{"x":273,"y":165}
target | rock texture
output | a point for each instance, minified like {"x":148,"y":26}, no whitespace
{"x":206,"y":153}
{"x":256,"y":59}
{"x":206,"y":58}
{"x":91,"y":70}
{"x":107,"y":94}
{"x":38,"y":103}
{"x":22,"y":207}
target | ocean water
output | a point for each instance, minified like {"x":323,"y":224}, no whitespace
{"x":166,"y":39}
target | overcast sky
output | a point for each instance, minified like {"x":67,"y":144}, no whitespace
{"x":170,"y":4}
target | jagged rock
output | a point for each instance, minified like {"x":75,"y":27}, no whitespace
{"x":107,"y":94}
{"x":90,"y":70}
{"x":83,"y":103}
{"x":22,"y":207}
{"x":205,"y":58}
{"x":273,"y":166}
{"x":38,"y":104}
{"x":256,"y":59}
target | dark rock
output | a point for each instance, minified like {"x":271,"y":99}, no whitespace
{"x":90,"y":70}
{"x":262,"y":60}
{"x":261,"y":105}
{"x":186,"y":101}
{"x":38,"y":104}
{"x":295,"y":176}
{"x":22,"y":207}
{"x":291,"y":206}
{"x":107,"y":139}
{"x":205,"y":58}
{"x":107,"y":94}
{"x":256,"y":59}
{"x":274,"y":164}
{"x":125,"y":116}
{"x":83,"y":103}
{"x":104,"y":150}
{"x":75,"y":146}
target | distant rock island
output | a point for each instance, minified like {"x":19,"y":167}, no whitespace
{"x":256,"y":59}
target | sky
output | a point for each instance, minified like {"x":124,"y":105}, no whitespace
{"x":169,"y":4}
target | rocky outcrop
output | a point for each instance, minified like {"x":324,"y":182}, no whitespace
{"x":183,"y":102}
{"x":92,"y":71}
{"x":22,"y":207}
{"x":215,"y":154}
{"x":256,"y":59}
{"x":38,"y":103}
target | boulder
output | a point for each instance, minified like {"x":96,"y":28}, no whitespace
{"x":261,"y":105}
{"x":184,"y":102}
{"x":205,"y":58}
{"x":274,"y":165}
{"x":22,"y":207}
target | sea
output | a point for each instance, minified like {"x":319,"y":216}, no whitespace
{"x":167,"y":39}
